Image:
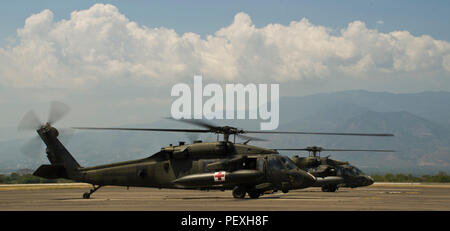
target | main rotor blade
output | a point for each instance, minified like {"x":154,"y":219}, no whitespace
{"x":57,"y":111}
{"x":251,"y":138}
{"x":143,"y":129}
{"x":29,"y":122}
{"x":334,"y":150}
{"x":356,"y":150}
{"x":291,"y":149}
{"x":322,"y":133}
{"x":200,"y":123}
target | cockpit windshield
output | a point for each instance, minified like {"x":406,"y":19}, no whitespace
{"x":353,"y":171}
{"x":357,"y":171}
{"x":288,"y":163}
{"x":275,"y":163}
{"x":282,"y":162}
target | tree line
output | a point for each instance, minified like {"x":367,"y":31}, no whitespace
{"x":389,"y":177}
{"x":15,"y":178}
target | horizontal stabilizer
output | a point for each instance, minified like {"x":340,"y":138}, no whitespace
{"x":51,"y":171}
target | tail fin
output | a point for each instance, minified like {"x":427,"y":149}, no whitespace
{"x":62,"y":162}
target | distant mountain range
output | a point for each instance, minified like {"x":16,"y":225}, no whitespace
{"x":420,"y":122}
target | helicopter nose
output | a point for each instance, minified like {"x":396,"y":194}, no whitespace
{"x":369,"y":180}
{"x":308,"y":179}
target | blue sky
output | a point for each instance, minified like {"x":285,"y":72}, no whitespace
{"x":205,"y":17}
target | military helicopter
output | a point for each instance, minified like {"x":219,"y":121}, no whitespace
{"x":223,"y":165}
{"x":332,"y":174}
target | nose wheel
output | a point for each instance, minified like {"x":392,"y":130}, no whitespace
{"x":239,"y":192}
{"x":329,"y":188}
{"x":87,"y":195}
{"x":254,"y":194}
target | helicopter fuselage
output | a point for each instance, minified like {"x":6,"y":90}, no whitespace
{"x":163,"y":170}
{"x":332,"y":174}
{"x":215,"y":165}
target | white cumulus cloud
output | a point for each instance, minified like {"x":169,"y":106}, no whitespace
{"x":101,"y":45}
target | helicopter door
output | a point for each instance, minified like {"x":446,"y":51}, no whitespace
{"x":260,"y":165}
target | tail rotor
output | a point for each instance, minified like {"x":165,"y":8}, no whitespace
{"x":31,"y":122}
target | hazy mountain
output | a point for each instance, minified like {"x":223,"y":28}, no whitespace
{"x":417,"y":141}
{"x":433,"y":106}
{"x":419,"y":121}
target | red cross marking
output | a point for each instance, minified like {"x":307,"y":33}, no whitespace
{"x":219,"y":175}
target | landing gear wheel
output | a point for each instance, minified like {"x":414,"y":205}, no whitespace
{"x":333,"y":188}
{"x":284,"y":190}
{"x":239,"y":192}
{"x":329,"y":188}
{"x":87,"y":195}
{"x":254,"y":194}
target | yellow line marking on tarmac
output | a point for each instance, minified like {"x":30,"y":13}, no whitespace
{"x":43,"y":186}
{"x":412,"y":192}
{"x":412,"y":185}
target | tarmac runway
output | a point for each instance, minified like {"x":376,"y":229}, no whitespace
{"x":380,"y":196}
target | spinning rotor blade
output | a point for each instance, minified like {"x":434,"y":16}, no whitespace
{"x":226,"y":130}
{"x":214,"y":128}
{"x":333,"y":150}
{"x":356,"y":150}
{"x":292,"y":149}
{"x":196,"y":122}
{"x":251,"y":138}
{"x":57,"y":111}
{"x":200,"y":123}
{"x":143,"y":129}
{"x":29,"y":122}
{"x":322,"y":133}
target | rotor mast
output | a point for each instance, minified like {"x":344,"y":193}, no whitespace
{"x":313,"y":151}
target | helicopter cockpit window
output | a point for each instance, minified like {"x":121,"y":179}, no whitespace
{"x":275,"y":163}
{"x":348,"y":172}
{"x":358,"y":172}
{"x":338,"y":171}
{"x":288,"y":163}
